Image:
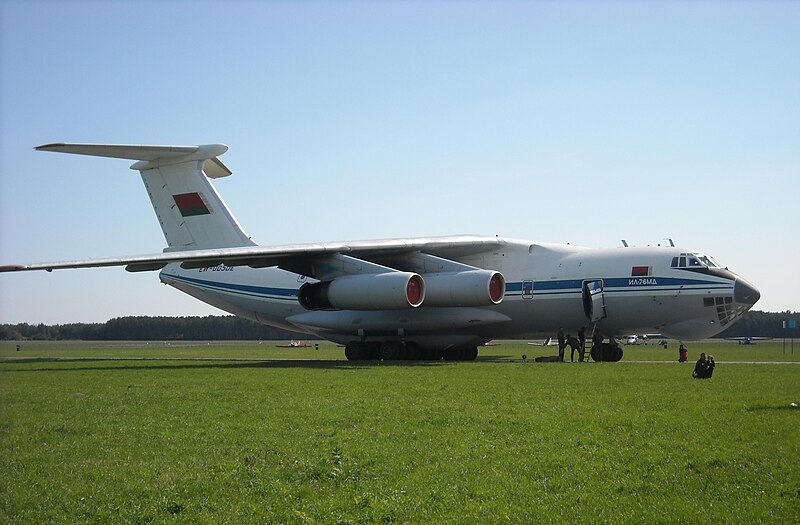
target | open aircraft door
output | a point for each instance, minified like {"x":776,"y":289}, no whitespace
{"x":594,"y":305}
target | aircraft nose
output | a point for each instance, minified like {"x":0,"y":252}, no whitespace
{"x":745,"y":293}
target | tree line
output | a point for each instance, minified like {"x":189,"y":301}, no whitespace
{"x":764,"y":324}
{"x":230,"y":328}
{"x":143,"y":328}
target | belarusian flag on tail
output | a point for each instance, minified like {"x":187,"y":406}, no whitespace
{"x":191,"y":204}
{"x":178,"y":176}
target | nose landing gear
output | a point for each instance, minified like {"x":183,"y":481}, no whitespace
{"x":606,"y":352}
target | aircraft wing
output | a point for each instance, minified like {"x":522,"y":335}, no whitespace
{"x":300,"y":258}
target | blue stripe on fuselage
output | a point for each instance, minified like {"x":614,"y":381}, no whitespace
{"x":615,"y":284}
{"x":242,"y":289}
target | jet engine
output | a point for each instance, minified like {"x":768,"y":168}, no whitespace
{"x":375,"y":291}
{"x":467,"y":288}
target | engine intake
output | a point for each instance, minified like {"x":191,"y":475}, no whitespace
{"x":375,"y":291}
{"x":467,"y":288}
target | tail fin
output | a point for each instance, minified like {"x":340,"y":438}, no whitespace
{"x":191,"y":212}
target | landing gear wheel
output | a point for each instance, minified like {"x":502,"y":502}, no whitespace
{"x":413,"y":352}
{"x":612,"y":353}
{"x":355,"y":351}
{"x":392,"y":351}
{"x":455,"y":353}
{"x":471,"y":353}
{"x":432,"y":354}
{"x":606,"y":352}
{"x":373,"y":351}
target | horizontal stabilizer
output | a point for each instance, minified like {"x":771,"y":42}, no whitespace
{"x":121,"y":151}
{"x":151,"y":156}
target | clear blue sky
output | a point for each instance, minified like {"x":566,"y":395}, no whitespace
{"x":582,"y":122}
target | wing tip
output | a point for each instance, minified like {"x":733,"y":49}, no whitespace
{"x":50,"y":147}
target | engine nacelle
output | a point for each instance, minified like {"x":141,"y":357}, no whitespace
{"x":467,"y":288}
{"x":375,"y":291}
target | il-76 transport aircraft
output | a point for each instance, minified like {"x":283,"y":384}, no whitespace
{"x":418,"y":298}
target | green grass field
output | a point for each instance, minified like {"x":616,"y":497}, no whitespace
{"x":315,"y":439}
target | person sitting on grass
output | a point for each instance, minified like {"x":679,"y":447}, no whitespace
{"x":700,"y":367}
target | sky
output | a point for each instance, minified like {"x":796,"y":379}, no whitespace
{"x":581,"y":122}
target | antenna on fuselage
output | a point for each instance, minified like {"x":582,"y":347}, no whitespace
{"x":672,"y":244}
{"x":624,"y":243}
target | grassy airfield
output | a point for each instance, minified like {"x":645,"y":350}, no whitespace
{"x":314,"y":438}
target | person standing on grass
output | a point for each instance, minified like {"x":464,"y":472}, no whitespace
{"x":562,"y":344}
{"x":597,"y":340}
{"x":700,"y":367}
{"x":710,"y":364}
{"x":575,"y":344}
{"x":683,"y":354}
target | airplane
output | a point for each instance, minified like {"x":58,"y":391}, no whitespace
{"x":294,"y":344}
{"x":747,"y":340}
{"x":637,"y":339}
{"x":412,"y":298}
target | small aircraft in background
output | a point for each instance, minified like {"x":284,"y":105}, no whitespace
{"x":294,"y":344}
{"x":637,"y":339}
{"x":546,"y":342}
{"x":747,"y":340}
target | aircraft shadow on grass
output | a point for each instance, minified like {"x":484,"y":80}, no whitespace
{"x":199,"y":364}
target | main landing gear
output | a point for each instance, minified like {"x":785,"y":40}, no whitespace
{"x":397,"y":351}
{"x":606,"y":352}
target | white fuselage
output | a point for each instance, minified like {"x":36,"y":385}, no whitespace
{"x":639,"y":291}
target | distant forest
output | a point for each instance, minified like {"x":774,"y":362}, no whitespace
{"x":230,"y":328}
{"x":211,"y":328}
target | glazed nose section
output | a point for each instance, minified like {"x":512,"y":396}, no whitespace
{"x":745,"y":293}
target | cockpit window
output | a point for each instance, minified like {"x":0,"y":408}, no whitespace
{"x":693,"y":260}
{"x":708,"y":261}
